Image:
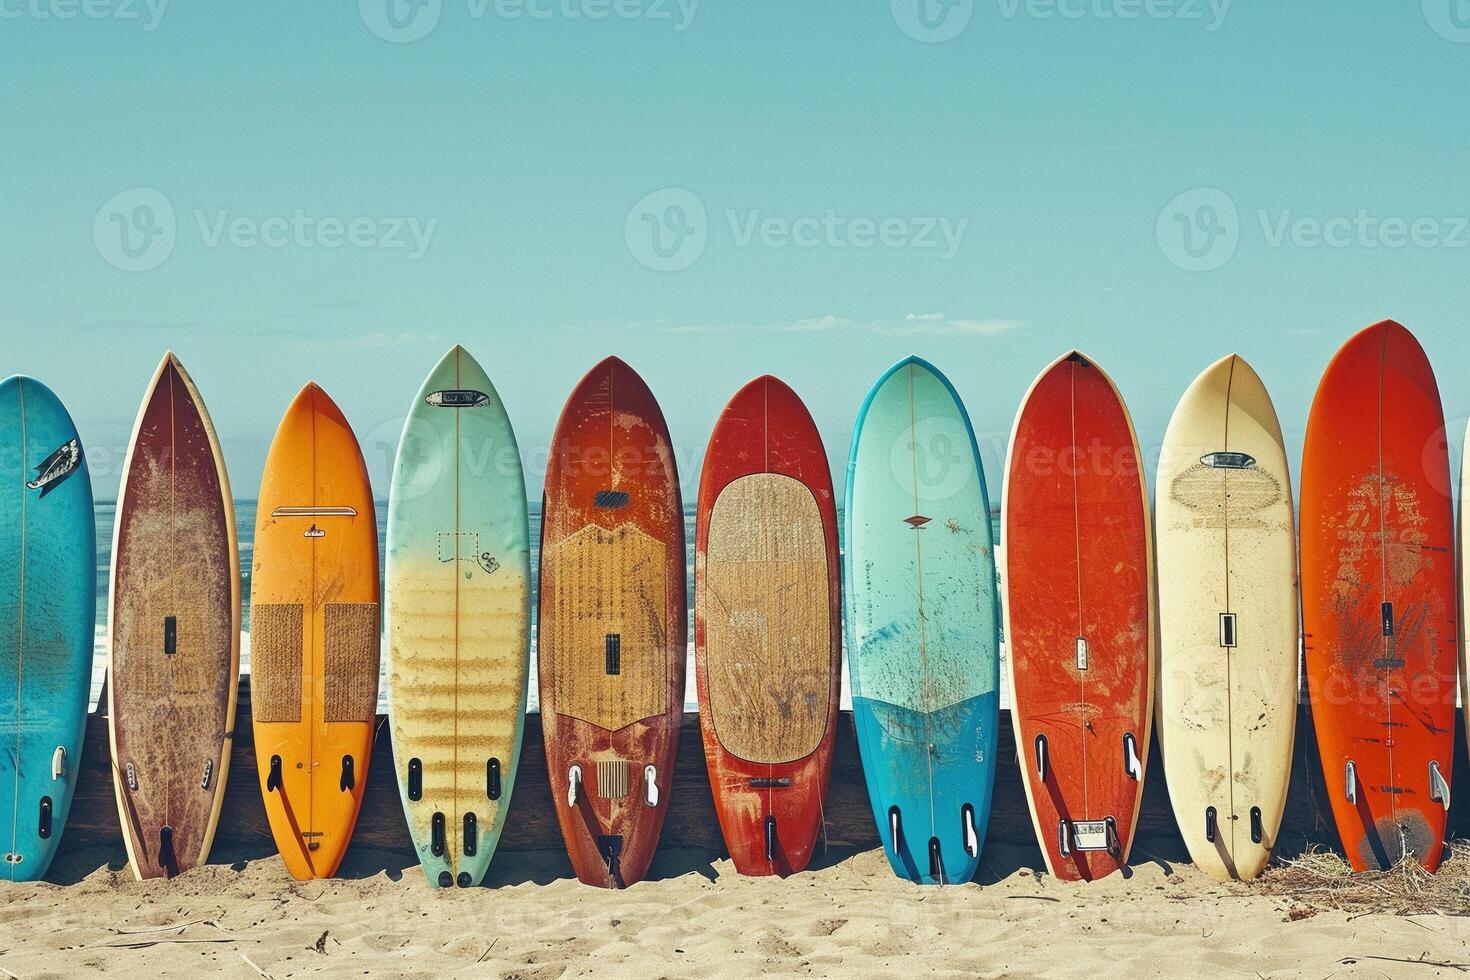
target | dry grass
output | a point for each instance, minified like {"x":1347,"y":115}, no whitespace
{"x":1323,"y":880}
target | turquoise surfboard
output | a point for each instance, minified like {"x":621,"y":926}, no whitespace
{"x":459,"y":619}
{"x":922,"y":622}
{"x":48,"y":612}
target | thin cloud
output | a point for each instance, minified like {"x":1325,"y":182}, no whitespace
{"x":828,"y":322}
{"x":933,"y":324}
{"x":939,"y":325}
{"x":367,"y":341}
{"x":110,"y":326}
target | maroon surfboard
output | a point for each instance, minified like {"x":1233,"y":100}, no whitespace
{"x":175,"y":631}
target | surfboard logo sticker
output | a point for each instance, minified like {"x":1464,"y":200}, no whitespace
{"x":1228,"y":461}
{"x":56,"y":468}
{"x":458,"y":398}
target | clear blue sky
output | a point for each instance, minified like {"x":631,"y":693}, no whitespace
{"x":1056,"y":141}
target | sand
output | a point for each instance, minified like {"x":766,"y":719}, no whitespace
{"x":696,"y":918}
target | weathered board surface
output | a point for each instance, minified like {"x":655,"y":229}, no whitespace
{"x":1378,"y":594}
{"x":691,"y":824}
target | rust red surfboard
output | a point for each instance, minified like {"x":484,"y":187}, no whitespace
{"x":1378,"y":597}
{"x":175,"y":631}
{"x":767,"y":628}
{"x":613,"y":632}
{"x":1079,"y":616}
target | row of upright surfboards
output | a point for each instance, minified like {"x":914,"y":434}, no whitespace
{"x":1100,"y":640}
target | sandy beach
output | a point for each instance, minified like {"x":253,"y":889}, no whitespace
{"x":696,"y":918}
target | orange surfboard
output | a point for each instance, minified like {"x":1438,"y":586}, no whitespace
{"x":1079,"y":616}
{"x":314,"y":627}
{"x":1378,"y":597}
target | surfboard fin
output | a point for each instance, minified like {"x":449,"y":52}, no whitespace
{"x":1352,"y":782}
{"x":1439,"y":788}
{"x":348,"y":780}
{"x":1041,"y":757}
{"x":650,"y":783}
{"x":612,"y":848}
{"x":273,"y":781}
{"x":770,"y":837}
{"x":166,"y":858}
{"x":936,"y":861}
{"x":895,"y":827}
{"x":972,"y":835}
{"x":574,"y":784}
{"x":1131,"y":763}
{"x":58,"y":762}
{"x":1064,"y":837}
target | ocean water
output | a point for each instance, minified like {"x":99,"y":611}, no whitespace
{"x":245,"y":523}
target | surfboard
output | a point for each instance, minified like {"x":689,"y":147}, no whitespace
{"x":1228,"y":619}
{"x":1379,"y":599}
{"x":1079,"y":615}
{"x":768,"y":627}
{"x":314,"y":630}
{"x":612,"y":629}
{"x":48,"y":612}
{"x":923,"y":623}
{"x":459,"y":619}
{"x":174,"y":651}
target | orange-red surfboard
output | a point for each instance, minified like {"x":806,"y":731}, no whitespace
{"x":1378,"y":597}
{"x":1079,"y":616}
{"x":314,"y":627}
{"x":613,"y":630}
{"x":768,"y":627}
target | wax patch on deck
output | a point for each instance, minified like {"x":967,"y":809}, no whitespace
{"x":276,"y":658}
{"x":351,"y":659}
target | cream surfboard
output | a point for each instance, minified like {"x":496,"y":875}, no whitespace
{"x":1228,"y":619}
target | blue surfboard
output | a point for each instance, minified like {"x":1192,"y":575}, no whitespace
{"x":48,"y":611}
{"x":923,"y":623}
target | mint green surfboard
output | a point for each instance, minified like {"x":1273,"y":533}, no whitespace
{"x":459,"y":619}
{"x":922,"y":621}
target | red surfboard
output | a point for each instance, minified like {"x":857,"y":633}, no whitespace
{"x":613,"y":632}
{"x":1378,"y":597}
{"x":1079,"y":616}
{"x":767,"y":628}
